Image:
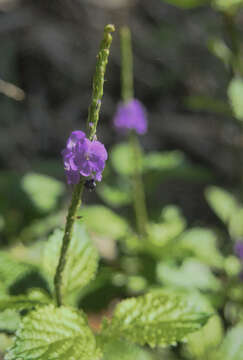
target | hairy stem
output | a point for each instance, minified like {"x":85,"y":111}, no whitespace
{"x":127,"y":94}
{"x":98,"y":81}
{"x":93,"y":118}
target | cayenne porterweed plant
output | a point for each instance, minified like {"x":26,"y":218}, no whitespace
{"x":45,"y":319}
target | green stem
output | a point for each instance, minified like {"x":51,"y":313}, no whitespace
{"x":139,"y":199}
{"x":127,"y":94}
{"x":93,"y":118}
{"x":98,"y":81}
{"x":127,"y":64}
{"x":234,"y":40}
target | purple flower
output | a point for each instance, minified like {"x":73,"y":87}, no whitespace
{"x":83,"y":157}
{"x":239,"y":249}
{"x":131,"y":116}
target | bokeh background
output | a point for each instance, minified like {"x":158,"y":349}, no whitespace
{"x":48,"y":51}
{"x":188,"y":72}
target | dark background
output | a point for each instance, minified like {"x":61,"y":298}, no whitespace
{"x":48,"y":48}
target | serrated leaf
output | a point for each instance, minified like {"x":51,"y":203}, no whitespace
{"x":235,"y":93}
{"x":222,"y":202}
{"x":9,"y":321}
{"x":122,"y":159}
{"x":43,"y":190}
{"x":158,"y":318}
{"x":187,"y":4}
{"x":103,"y":221}
{"x":53,"y":333}
{"x":232,"y":346}
{"x":82,"y":260}
{"x":191,"y":274}
{"x":201,"y":243}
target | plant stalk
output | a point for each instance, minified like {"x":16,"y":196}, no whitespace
{"x":93,"y":118}
{"x":139,"y":202}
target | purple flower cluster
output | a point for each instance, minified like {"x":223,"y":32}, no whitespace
{"x":83,"y":157}
{"x":131,"y":116}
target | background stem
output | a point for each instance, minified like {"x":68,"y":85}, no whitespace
{"x":139,"y":200}
{"x":127,"y":64}
{"x":93,"y":118}
{"x":138,"y":188}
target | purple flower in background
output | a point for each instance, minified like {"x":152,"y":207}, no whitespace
{"x":239,"y":249}
{"x":131,"y":116}
{"x":83,"y":157}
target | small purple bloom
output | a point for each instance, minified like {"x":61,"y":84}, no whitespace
{"x":239,"y":249}
{"x":131,"y":116}
{"x":83,"y":157}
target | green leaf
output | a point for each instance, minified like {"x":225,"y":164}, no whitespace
{"x":24,"y":302}
{"x":222,"y":202}
{"x":39,"y":228}
{"x":82,"y":260}
{"x":207,"y":103}
{"x":227,"y":5}
{"x":53,"y":333}
{"x":120,"y":350}
{"x":12,"y":270}
{"x":236,"y":224}
{"x":220,"y":49}
{"x":43,"y":190}
{"x":201,"y":243}
{"x":122,"y":159}
{"x":187,"y":4}
{"x":191,"y":274}
{"x":163,"y":161}
{"x":235,"y":93}
{"x":103,"y":221}
{"x":201,"y":343}
{"x":115,"y":196}
{"x":232,"y":347}
{"x":9,"y":321}
{"x":158,"y":318}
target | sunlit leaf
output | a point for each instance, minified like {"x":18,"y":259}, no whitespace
{"x":115,"y":196}
{"x":120,"y":350}
{"x":12,"y":270}
{"x":227,"y":5}
{"x":201,"y":243}
{"x":53,"y":333}
{"x":43,"y":190}
{"x":166,"y":160}
{"x":82,"y":260}
{"x":232,"y":347}
{"x":9,"y":321}
{"x":158,"y":318}
{"x":191,"y":274}
{"x":31,"y":300}
{"x":122,"y":159}
{"x":222,"y":202}
{"x":101,"y":220}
